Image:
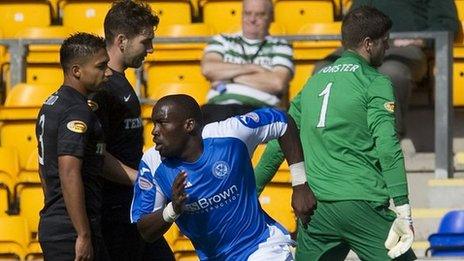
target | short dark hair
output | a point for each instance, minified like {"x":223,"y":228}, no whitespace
{"x":129,"y":18}
{"x":362,"y":22}
{"x":79,"y":46}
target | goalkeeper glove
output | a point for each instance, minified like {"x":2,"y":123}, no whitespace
{"x":401,"y":233}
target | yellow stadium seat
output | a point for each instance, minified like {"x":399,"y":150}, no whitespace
{"x":221,"y":14}
{"x":13,"y":237}
{"x":172,"y":12}
{"x":196,"y":90}
{"x":85,"y":16}
{"x":460,"y":9}
{"x":307,"y":53}
{"x":458,"y":65}
{"x":30,"y":173}
{"x":180,"y":51}
{"x":21,"y":135}
{"x":186,"y":256}
{"x":9,"y":166}
{"x":292,"y":14}
{"x":164,"y":74}
{"x":24,"y":101}
{"x":31,"y":201}
{"x":4,"y":200}
{"x":276,"y":201}
{"x":17,"y":15}
{"x":29,"y":95}
{"x":148,"y":138}
{"x":184,"y":30}
{"x":44,"y":53}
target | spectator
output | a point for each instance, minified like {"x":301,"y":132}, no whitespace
{"x":249,"y":69}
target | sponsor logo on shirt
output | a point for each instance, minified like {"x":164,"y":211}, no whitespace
{"x":135,"y":123}
{"x":221,"y":169}
{"x":93,"y":105}
{"x":216,"y":201}
{"x":389,"y":106}
{"x":126,"y":98}
{"x":145,"y":184}
{"x":77,"y":126}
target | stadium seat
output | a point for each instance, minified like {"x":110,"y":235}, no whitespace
{"x":180,"y":51}
{"x":458,"y":67}
{"x":292,"y":14}
{"x":21,"y":135}
{"x":196,"y":90}
{"x":176,"y":76}
{"x":31,"y":201}
{"x":148,"y":138}
{"x":24,"y":101}
{"x":29,"y":95}
{"x":460,"y":9}
{"x":172,"y":12}
{"x":221,"y":14}
{"x":9,"y":165}
{"x":17,"y":15}
{"x":307,"y":53}
{"x":30,"y":173}
{"x":84,"y":15}
{"x":13,"y":238}
{"x":449,"y":241}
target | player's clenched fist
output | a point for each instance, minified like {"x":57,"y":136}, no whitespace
{"x":303,"y":202}
{"x":401,"y":233}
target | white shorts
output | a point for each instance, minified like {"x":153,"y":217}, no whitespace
{"x":276,"y":248}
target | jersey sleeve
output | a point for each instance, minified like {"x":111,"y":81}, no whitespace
{"x":272,"y":157}
{"x":72,"y":131}
{"x":217,"y":44}
{"x":381,"y":123}
{"x":148,"y":196}
{"x":253,"y":128}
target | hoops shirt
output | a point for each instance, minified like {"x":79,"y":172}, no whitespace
{"x":222,"y":216}
{"x":67,"y":126}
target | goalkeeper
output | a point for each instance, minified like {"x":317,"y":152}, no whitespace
{"x":354,"y":162}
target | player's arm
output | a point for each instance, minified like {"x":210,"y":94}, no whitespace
{"x":216,"y":70}
{"x":273,"y":80}
{"x":153,"y":226}
{"x":303,"y":199}
{"x":273,"y":157}
{"x":381,"y":122}
{"x":71,"y":143}
{"x":69,"y":169}
{"x":116,"y":171}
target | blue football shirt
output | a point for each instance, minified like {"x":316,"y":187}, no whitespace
{"x":222,"y":217}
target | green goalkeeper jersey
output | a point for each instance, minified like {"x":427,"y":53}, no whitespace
{"x":345,"y":114}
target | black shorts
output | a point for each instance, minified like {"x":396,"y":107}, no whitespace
{"x":220,"y":112}
{"x":64,"y":250}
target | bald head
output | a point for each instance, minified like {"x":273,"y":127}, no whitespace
{"x":181,"y":107}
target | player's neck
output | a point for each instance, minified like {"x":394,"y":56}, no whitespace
{"x":76,"y":86}
{"x":193,"y":151}
{"x":116,"y":62}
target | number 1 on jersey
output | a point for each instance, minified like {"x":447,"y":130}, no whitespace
{"x":325,"y":101}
